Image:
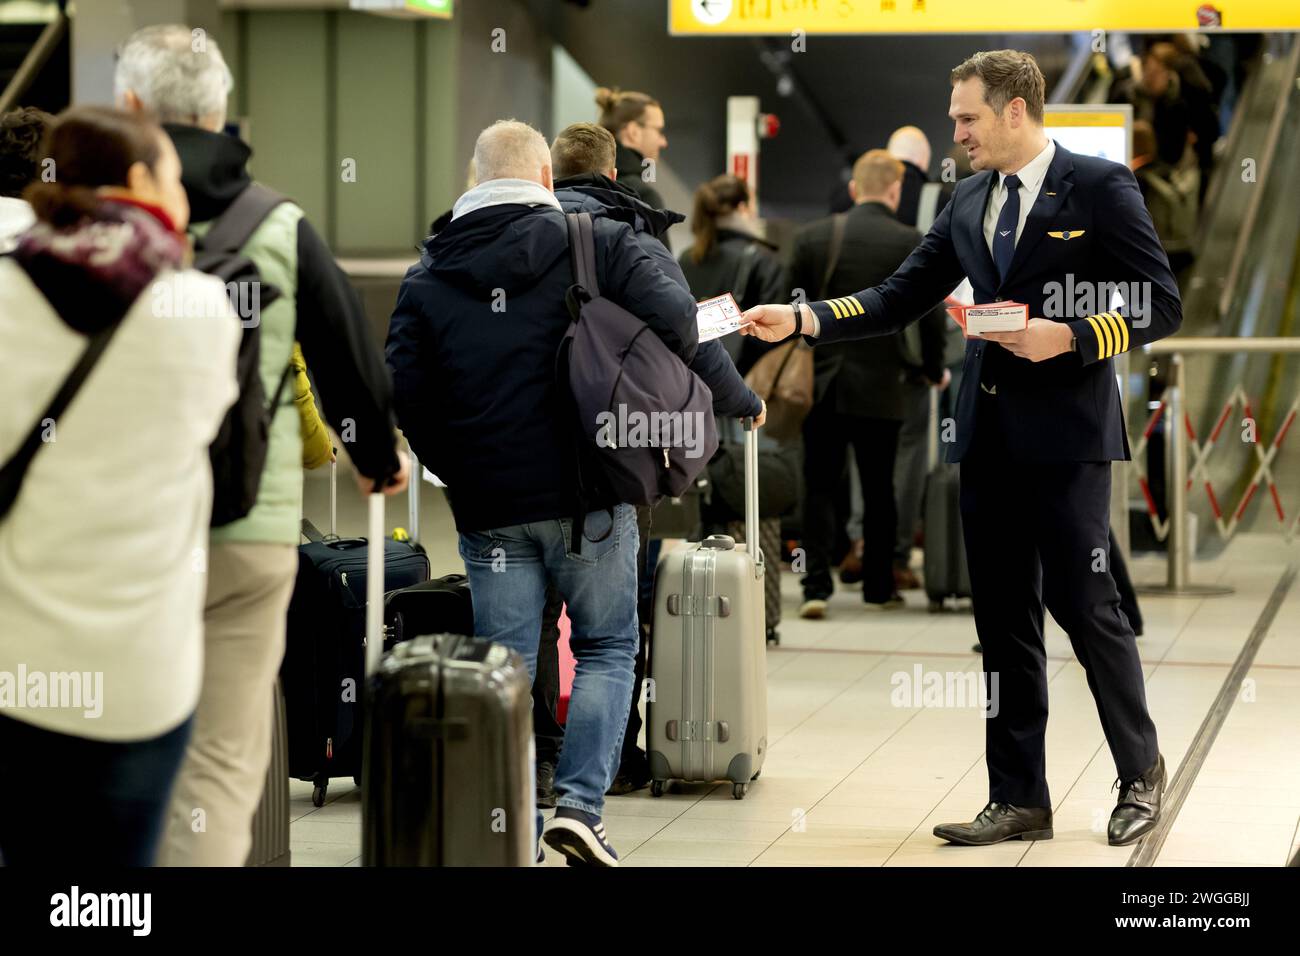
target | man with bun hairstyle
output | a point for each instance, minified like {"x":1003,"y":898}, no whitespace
{"x":637,"y":122}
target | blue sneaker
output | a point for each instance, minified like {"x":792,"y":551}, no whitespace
{"x":580,"y":836}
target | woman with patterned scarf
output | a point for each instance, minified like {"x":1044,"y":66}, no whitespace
{"x":102,"y":539}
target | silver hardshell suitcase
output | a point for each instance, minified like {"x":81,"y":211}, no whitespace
{"x":707,"y":713}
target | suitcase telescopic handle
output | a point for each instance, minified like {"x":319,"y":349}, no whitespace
{"x":375,"y":584}
{"x":334,"y":493}
{"x":751,"y":494}
{"x":413,"y":496}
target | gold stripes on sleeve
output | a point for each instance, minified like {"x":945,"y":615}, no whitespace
{"x":845,"y":306}
{"x":1111,"y":332}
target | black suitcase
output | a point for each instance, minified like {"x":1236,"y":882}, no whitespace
{"x":946,"y":574}
{"x":448,"y":768}
{"x":447,"y":774}
{"x":324,"y":660}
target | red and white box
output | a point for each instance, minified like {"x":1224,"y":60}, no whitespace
{"x":976,"y":320}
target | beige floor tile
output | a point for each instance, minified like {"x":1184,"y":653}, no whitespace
{"x":792,"y":854}
{"x":942,"y":855}
{"x":322,"y":854}
{"x":1217,"y":864}
{"x":872,"y":795}
{"x":882,"y":817}
{"x":1071,"y":860}
{"x":1263,"y":845}
{"x":335,"y":832}
{"x":696,"y":849}
{"x":641,"y":804}
{"x":817,"y":833}
{"x":743,"y":831}
{"x":636,"y":859}
{"x":1209,"y":817}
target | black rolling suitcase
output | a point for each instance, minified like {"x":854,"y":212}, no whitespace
{"x":946,"y":573}
{"x":324,"y":656}
{"x":447,"y":776}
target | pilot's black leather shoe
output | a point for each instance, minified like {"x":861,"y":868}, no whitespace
{"x":1138,"y":809}
{"x":998,"y":822}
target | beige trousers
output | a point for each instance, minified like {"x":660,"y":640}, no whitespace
{"x":221,"y":780}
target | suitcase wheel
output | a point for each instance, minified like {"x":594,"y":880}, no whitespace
{"x":318,"y":795}
{"x":738,"y":790}
{"x":657,"y":787}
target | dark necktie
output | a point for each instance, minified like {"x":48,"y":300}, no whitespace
{"x":1004,"y":236}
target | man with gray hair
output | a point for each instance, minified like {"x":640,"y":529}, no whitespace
{"x":472,"y":345}
{"x":179,"y":75}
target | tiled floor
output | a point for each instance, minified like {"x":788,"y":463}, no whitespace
{"x":853,"y":779}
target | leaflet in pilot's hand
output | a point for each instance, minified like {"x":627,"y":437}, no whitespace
{"x":717,"y":316}
{"x":1006,"y":316}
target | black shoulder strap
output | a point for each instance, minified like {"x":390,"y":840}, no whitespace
{"x":234,"y":227}
{"x":582,"y":251}
{"x":11,"y":475}
{"x":748,"y":259}
{"x":838,"y":221}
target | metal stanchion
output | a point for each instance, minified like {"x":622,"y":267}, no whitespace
{"x":1178,"y":580}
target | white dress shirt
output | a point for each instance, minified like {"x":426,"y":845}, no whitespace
{"x":1031,"y":181}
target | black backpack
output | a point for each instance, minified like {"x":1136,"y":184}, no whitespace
{"x":619,"y":373}
{"x":239,"y":451}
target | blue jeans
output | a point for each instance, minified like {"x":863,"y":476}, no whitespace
{"x":508,"y":569}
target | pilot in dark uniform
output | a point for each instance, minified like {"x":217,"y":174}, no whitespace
{"x":1039,"y":421}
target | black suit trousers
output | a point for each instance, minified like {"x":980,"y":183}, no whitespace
{"x":827,"y":435}
{"x":1037,"y":534}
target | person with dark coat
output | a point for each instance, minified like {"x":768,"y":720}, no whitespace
{"x":582,"y":158}
{"x":858,"y":390}
{"x":919,"y":203}
{"x":1038,"y":426}
{"x":636,"y":121}
{"x":728,"y":254}
{"x":910,"y":146}
{"x":252,"y":562}
{"x":472,"y":346}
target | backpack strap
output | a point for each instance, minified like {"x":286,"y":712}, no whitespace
{"x":838,"y":222}
{"x":748,"y":259}
{"x":231,"y":230}
{"x":11,"y":475}
{"x":582,"y":251}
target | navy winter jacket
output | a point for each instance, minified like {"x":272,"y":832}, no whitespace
{"x":601,"y":196}
{"x":472,"y":344}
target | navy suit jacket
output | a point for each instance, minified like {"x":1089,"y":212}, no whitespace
{"x":1087,"y":235}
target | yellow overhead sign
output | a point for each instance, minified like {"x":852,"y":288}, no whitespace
{"x":974,"y":16}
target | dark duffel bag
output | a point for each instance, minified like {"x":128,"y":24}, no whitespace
{"x":439,"y":606}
